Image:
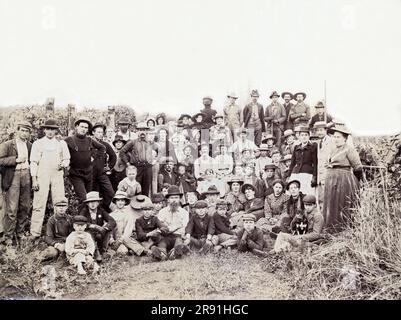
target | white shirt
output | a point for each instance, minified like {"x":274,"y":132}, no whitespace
{"x":202,"y":164}
{"x":22,"y":151}
{"x":176,"y":221}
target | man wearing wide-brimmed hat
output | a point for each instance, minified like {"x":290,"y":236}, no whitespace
{"x":208,"y":111}
{"x":235,"y":197}
{"x":263,"y":159}
{"x":287,"y":97}
{"x":275,"y":116}
{"x":233,"y":114}
{"x":220,"y":133}
{"x":81,"y":148}
{"x":176,"y":220}
{"x":49,"y":157}
{"x":118,"y":171}
{"x":320,"y":116}
{"x":101,"y":224}
{"x":289,"y":142}
{"x":16,"y":181}
{"x":254,"y":117}
{"x":124,"y":124}
{"x":300,"y":113}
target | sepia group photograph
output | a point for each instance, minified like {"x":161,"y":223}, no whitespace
{"x":200,"y":156}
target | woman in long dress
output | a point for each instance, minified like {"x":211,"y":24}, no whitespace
{"x":342,"y":182}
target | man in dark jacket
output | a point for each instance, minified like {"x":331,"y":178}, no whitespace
{"x":208,"y":111}
{"x":254,"y":117}
{"x":224,"y":236}
{"x":58,"y":227}
{"x":16,"y":182}
{"x":200,"y":228}
{"x":83,"y":150}
{"x":167,"y":174}
{"x":139,"y":152}
{"x":102,"y":166}
{"x":250,"y":238}
{"x":320,"y":116}
{"x":287,"y":96}
{"x":100,"y":225}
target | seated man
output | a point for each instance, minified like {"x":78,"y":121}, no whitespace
{"x":176,"y":219}
{"x":80,"y":247}
{"x":100,"y":225}
{"x":315,"y":222}
{"x":250,"y":238}
{"x":58,"y":227}
{"x":200,"y":229}
{"x":224,"y":237}
{"x":150,"y":231}
{"x":122,"y":240}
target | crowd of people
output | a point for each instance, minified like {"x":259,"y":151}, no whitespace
{"x":259,"y":179}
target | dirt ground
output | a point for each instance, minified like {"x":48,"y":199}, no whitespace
{"x":224,"y":276}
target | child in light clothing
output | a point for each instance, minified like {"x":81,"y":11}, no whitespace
{"x":129,"y":184}
{"x":80,"y":247}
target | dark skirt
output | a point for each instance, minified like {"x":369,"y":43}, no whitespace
{"x":340,"y":197}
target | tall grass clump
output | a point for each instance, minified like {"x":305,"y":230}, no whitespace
{"x":362,"y":262}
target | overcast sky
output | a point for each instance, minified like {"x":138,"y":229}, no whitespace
{"x":166,"y":55}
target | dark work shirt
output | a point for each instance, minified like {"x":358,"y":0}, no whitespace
{"x":200,"y":227}
{"x":143,"y":226}
{"x":57,"y":230}
{"x":221,"y":224}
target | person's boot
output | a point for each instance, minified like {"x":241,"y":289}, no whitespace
{"x":260,"y":253}
{"x":158,"y":254}
{"x":172,"y":254}
{"x":98,"y":256}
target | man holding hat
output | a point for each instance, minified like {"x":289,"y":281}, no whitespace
{"x":176,"y":220}
{"x":16,"y":181}
{"x":208,"y":111}
{"x":275,"y":116}
{"x":320,"y":116}
{"x":287,"y":96}
{"x":254,"y":118}
{"x":58,"y":227}
{"x":233,"y":114}
{"x":49,"y":157}
{"x":82,"y":150}
{"x":299,"y":113}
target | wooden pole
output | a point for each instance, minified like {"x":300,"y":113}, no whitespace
{"x":325,"y":102}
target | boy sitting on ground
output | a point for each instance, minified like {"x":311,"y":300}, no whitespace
{"x":149,"y":231}
{"x":224,"y":237}
{"x":200,"y":228}
{"x":122,"y":241}
{"x":250,"y":238}
{"x":80,"y":247}
{"x":58,"y":227}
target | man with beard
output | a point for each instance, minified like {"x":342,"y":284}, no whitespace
{"x":299,"y":113}
{"x":82,"y":150}
{"x":124,"y":131}
{"x":167,"y":174}
{"x":208,"y":111}
{"x":139,"y":153}
{"x":287,"y":96}
{"x":176,"y":220}
{"x":102,"y":167}
{"x":254,"y":118}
